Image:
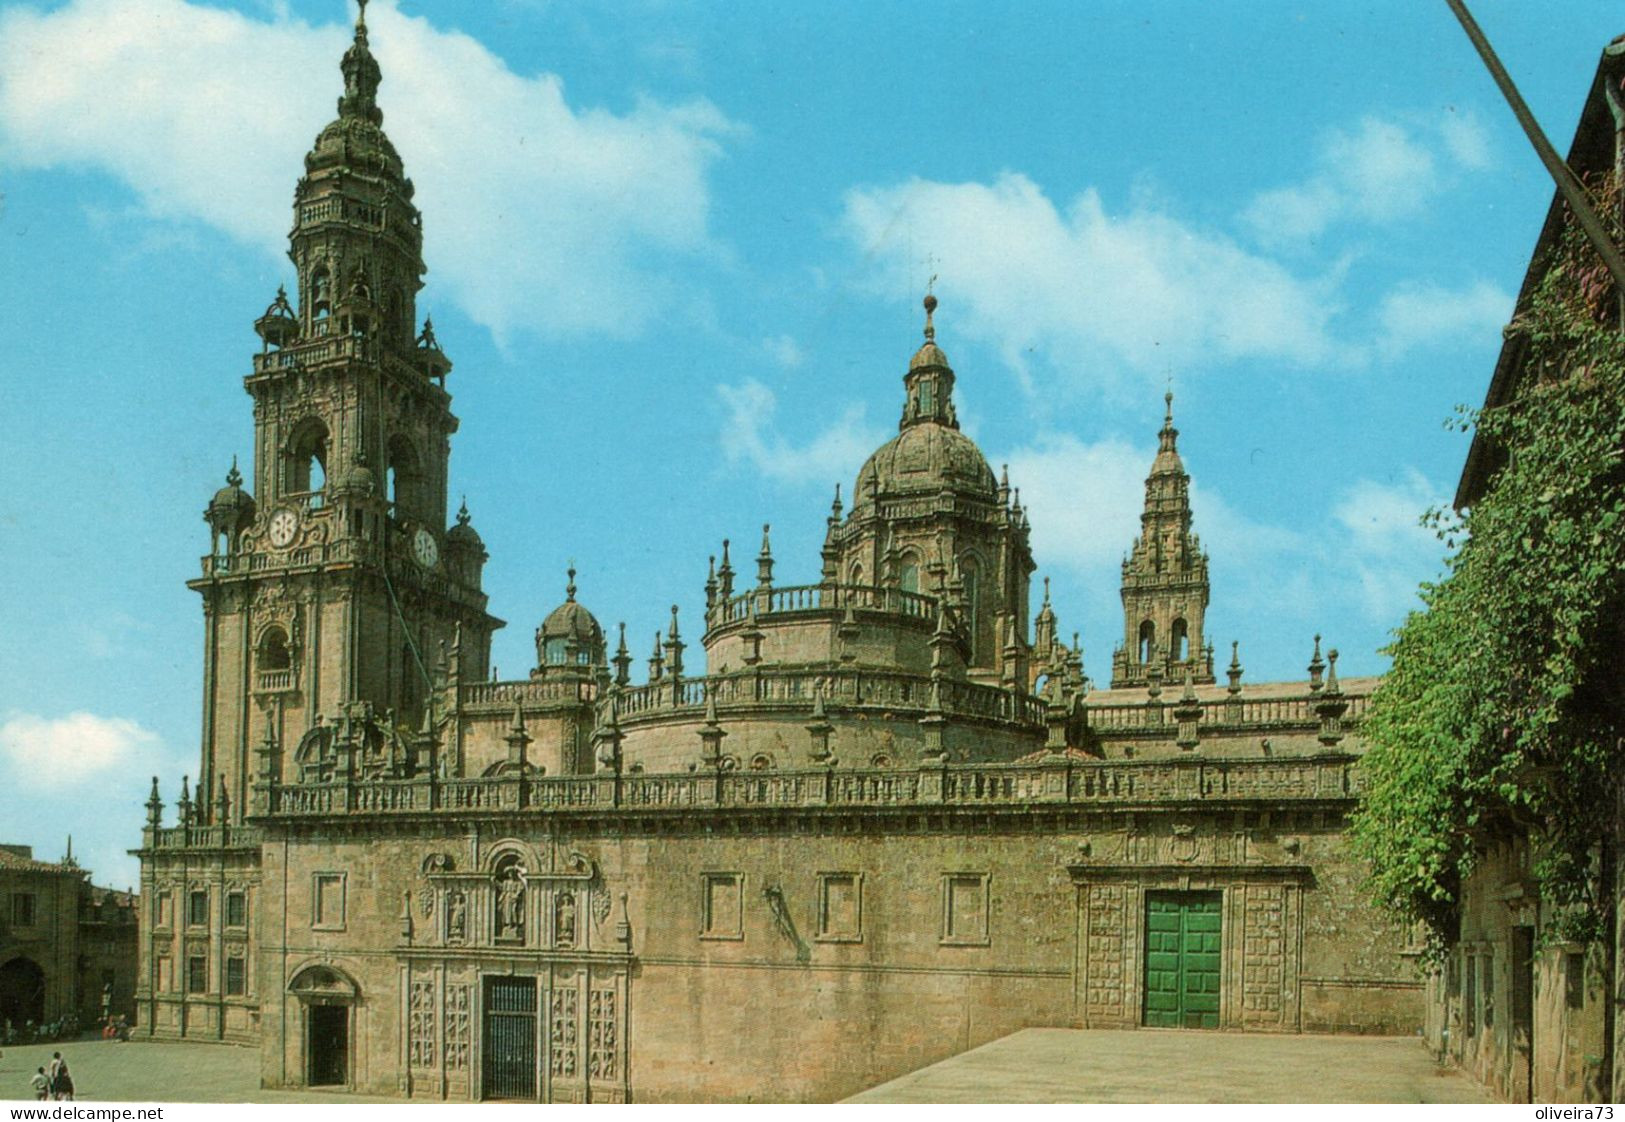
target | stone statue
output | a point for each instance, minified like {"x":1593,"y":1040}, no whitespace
{"x":510,"y":902}
{"x":456,"y":915}
{"x":564,"y":916}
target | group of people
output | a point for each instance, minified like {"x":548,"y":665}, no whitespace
{"x":54,"y":1082}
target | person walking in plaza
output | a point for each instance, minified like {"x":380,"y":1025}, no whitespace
{"x":64,"y":1083}
{"x":53,"y":1070}
{"x":41,"y":1085}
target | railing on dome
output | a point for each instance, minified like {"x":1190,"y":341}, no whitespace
{"x":1056,"y":781}
{"x":840,"y":687}
{"x":823,"y":598}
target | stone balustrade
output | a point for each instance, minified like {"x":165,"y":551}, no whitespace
{"x":841,"y":688}
{"x":1057,"y":781}
{"x":1229,"y":713}
{"x":822,"y":598}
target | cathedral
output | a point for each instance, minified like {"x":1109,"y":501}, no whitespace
{"x":886,"y":809}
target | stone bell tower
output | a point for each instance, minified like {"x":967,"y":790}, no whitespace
{"x":336,"y":590}
{"x":1165,"y":583}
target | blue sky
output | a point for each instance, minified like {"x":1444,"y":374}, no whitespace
{"x":677,"y":252}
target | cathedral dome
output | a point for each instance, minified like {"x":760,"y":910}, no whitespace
{"x":231,"y":500}
{"x":569,"y":633}
{"x":357,"y":479}
{"x":464,"y":534}
{"x":926,"y":458}
{"x":929,"y":453}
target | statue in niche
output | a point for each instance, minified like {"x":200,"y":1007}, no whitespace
{"x":564,"y":920}
{"x":510,"y":903}
{"x":456,"y":915}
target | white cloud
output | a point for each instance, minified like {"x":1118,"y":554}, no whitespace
{"x":54,"y":753}
{"x":1382,"y":171}
{"x":750,"y":436}
{"x":1093,"y":292}
{"x":784,"y":350}
{"x":1390,"y":551}
{"x":1083,"y":500}
{"x":538,"y":214}
{"x":1424,"y":314}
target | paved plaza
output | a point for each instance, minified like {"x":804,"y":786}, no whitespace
{"x":1160,"y":1065}
{"x":105,"y":1071}
{"x":1036,"y":1065}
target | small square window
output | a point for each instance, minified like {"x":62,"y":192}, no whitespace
{"x":722,"y":906}
{"x":197,"y":908}
{"x":236,"y":977}
{"x":840,"y":907}
{"x":964,"y":909}
{"x":236,"y":909}
{"x":22,"y":909}
{"x":327,"y":910}
{"x":197,"y":974}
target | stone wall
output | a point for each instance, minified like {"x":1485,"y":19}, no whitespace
{"x":874,"y":944}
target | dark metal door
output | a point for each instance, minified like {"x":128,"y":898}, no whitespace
{"x":509,"y":1047}
{"x":1182,"y":932}
{"x":329,"y":1045}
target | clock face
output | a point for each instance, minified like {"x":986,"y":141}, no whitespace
{"x":284,"y":525}
{"x":424,"y":548}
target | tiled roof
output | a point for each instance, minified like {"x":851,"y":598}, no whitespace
{"x":10,"y":861}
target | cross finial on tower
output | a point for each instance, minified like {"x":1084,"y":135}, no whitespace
{"x":570,"y":588}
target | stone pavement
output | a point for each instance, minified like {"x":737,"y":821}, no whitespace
{"x":1171,"y":1066}
{"x":1035,"y":1065}
{"x":105,"y":1071}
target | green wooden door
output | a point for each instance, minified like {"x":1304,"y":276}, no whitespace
{"x":1182,"y":959}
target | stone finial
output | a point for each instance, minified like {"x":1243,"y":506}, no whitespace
{"x":570,"y":587}
{"x":711,"y":733}
{"x":764,"y":560}
{"x":657,"y":661}
{"x":674,"y":646}
{"x":1317,"y":666}
{"x":184,"y":804}
{"x":1004,"y":485}
{"x":222,"y":804}
{"x":155,"y":806}
{"x":1331,"y":672}
{"x":234,"y":478}
{"x":725,"y":574}
{"x":622,"y":661}
{"x":930,"y":303}
{"x":1234,"y":671}
{"x":711,"y":581}
{"x":462,"y":513}
{"x":835,"y":507}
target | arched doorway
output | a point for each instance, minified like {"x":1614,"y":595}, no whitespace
{"x":22,"y":992}
{"x":328,"y":997}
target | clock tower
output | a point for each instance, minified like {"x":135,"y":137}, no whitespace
{"x":335,"y":593}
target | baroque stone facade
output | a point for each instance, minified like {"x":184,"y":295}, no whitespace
{"x":66,"y":946}
{"x":886,"y":809}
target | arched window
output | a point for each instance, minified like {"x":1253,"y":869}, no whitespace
{"x":1148,"y":642}
{"x":1178,"y":642}
{"x":273,"y":652}
{"x":856,"y":576}
{"x":402,"y":477}
{"x":908,"y":573}
{"x":970,"y":574}
{"x":307,"y":460}
{"x":321,"y":293}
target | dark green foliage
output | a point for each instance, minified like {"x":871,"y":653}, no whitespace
{"x":1503,"y":705}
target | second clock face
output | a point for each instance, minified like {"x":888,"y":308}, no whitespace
{"x":424,"y":548}
{"x":284,"y":525}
